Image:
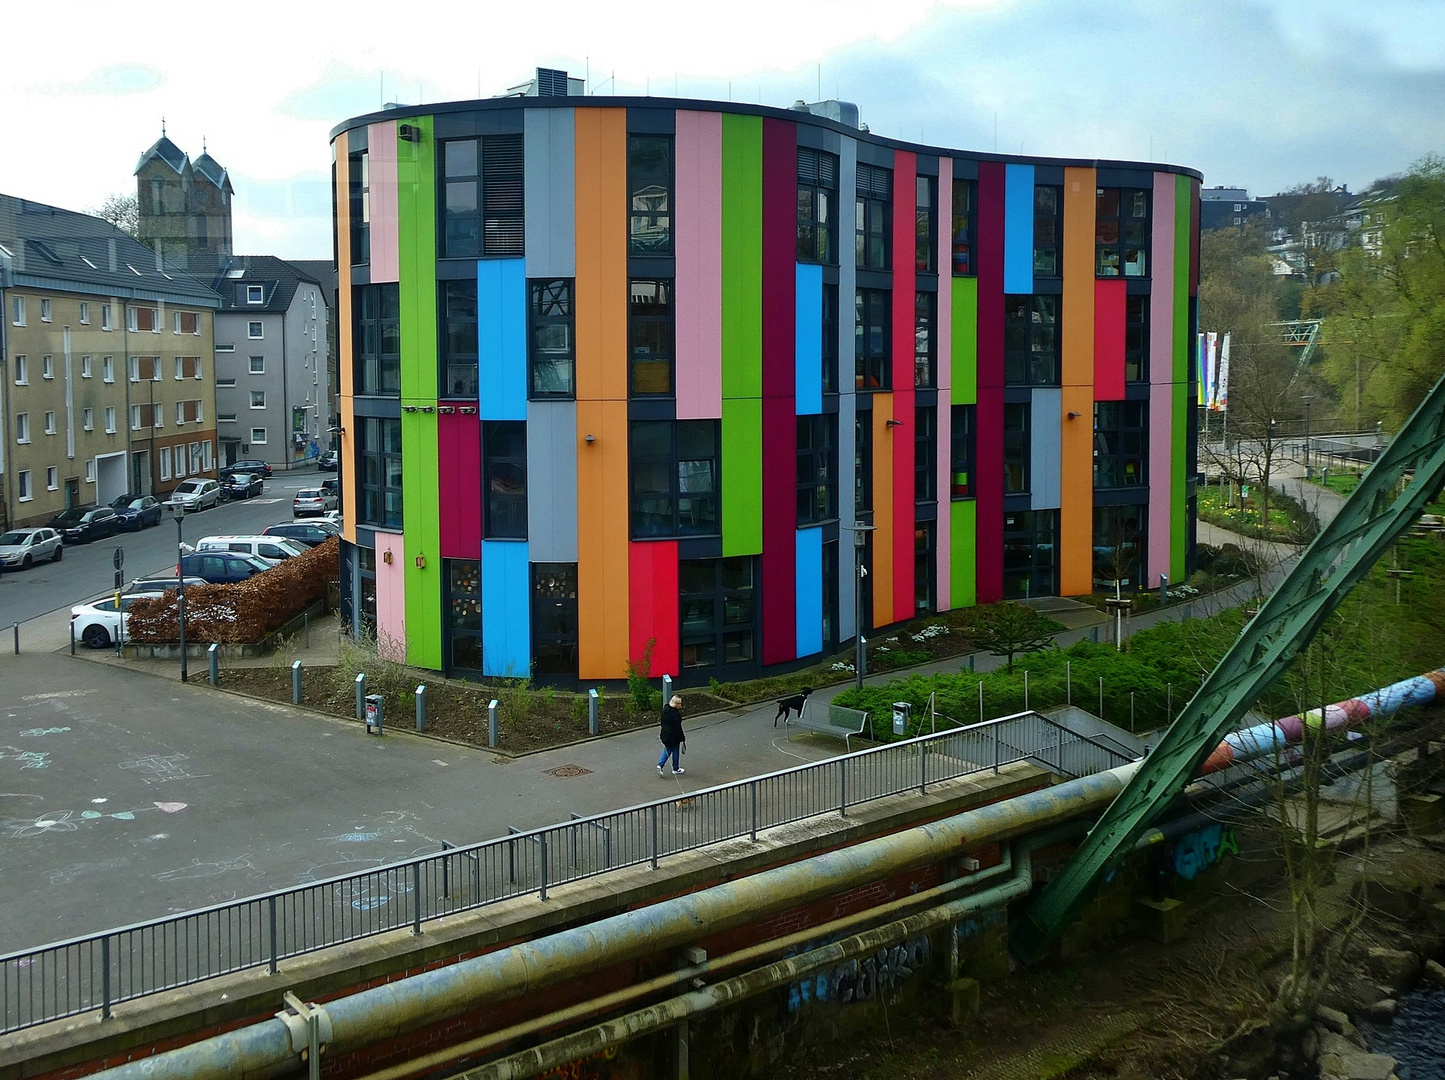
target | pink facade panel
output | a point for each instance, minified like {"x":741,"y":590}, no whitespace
{"x":943,"y":339}
{"x":699,"y":265}
{"x":1161,"y":372}
{"x":385,"y":232}
{"x":391,"y":595}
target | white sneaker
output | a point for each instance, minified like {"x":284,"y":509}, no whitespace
{"x":659,"y":770}
{"x":678,"y":772}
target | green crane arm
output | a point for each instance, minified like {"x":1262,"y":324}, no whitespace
{"x":1372,"y":518}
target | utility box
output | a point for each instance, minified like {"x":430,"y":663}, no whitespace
{"x":902,"y":713}
{"x":373,"y":714}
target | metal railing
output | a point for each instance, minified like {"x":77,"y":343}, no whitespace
{"x":98,"y":971}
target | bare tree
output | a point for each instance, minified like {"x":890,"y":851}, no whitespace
{"x":122,"y":211}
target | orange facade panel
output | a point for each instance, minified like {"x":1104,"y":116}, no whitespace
{"x":1076,"y":491}
{"x":601,"y":187}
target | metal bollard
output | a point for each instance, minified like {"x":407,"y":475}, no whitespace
{"x":492,"y":731}
{"x":306,"y":622}
{"x":1101,"y":697}
{"x":72,"y":637}
{"x":1069,"y":681}
{"x":361,"y":697}
{"x":592,"y":712}
{"x":213,"y":655}
{"x":666,"y":689}
{"x":1026,"y":689}
{"x":421,"y":707}
{"x":970,"y":663}
{"x":296,"y":682}
{"x":16,"y":628}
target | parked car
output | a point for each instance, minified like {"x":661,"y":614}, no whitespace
{"x":158,"y":585}
{"x":309,"y":533}
{"x":252,"y":465}
{"x":25,"y":547}
{"x":312,"y":501}
{"x":333,"y":485}
{"x":269,"y":549}
{"x":99,"y":623}
{"x":136,"y":512}
{"x":196,"y":493}
{"x":329,"y":461}
{"x":82,"y":524}
{"x":243,"y":485}
{"x":220,"y":567}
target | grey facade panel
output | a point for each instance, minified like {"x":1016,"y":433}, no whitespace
{"x":1046,"y":452}
{"x":552,"y":481}
{"x":847,"y":400}
{"x":549,"y":156}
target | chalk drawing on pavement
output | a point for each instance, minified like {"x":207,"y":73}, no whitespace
{"x":199,"y":869}
{"x":162,"y":770}
{"x":55,"y":822}
{"x":67,"y":874}
{"x":52,"y":695}
{"x":35,"y":732}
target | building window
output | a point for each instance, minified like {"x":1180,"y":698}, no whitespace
{"x":961,"y":451}
{"x":377,"y":339}
{"x":226,"y":418}
{"x":90,"y":470}
{"x":143,"y":320}
{"x":26,"y":492}
{"x":87,"y":419}
{"x":47,"y":367}
{"x":649,"y":194}
{"x":110,"y":419}
{"x":22,"y":370}
{"x":963,"y":228}
{"x":1030,"y":554}
{"x":1048,"y":230}
{"x":1015,"y":449}
{"x":105,"y":317}
{"x":258,"y":399}
{"x":504,"y":445}
{"x":863,"y":462}
{"x":135,"y":417}
{"x":52,"y":478}
{"x":1120,"y":438}
{"x":830,"y":339}
{"x":459,"y":338}
{"x":925,"y":454}
{"x":1136,"y":339}
{"x":872,"y":338}
{"x":85,"y":313}
{"x":552,"y":329}
{"x":482,"y":196}
{"x":650,"y":336}
{"x":464,"y":613}
{"x":875,"y":216}
{"x":674,"y":476}
{"x":925,"y":567}
{"x":817,"y":468}
{"x":718,"y":611}
{"x":189,"y":322}
{"x":258,"y":436}
{"x":255,"y":294}
{"x":44,"y":309}
{"x":49,"y":423}
{"x":925,"y":341}
{"x":255,"y":330}
{"x":359,"y":167}
{"x":1118,"y":547}
{"x":378,"y":470}
{"x":1121,"y":241}
{"x":85,"y":367}
{"x":817,"y":206}
{"x":180,"y":413}
{"x":1031,"y":341}
{"x":554,"y":618}
{"x":17,"y":311}
{"x":925,"y":228}
{"x":257,"y":365}
{"x":22,"y":427}
{"x":165,"y":462}
{"x":107,"y":369}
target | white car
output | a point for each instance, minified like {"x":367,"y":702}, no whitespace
{"x":271,"y":550}
{"x":196,"y":493}
{"x":25,"y":547}
{"x":98,"y":623}
{"x":312,"y":501}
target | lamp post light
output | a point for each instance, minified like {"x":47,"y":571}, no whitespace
{"x":179,"y":511}
{"x":860,"y":540}
{"x":1308,"y":399}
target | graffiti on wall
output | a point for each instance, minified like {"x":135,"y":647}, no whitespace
{"x":862,"y":980}
{"x":1197,"y":851}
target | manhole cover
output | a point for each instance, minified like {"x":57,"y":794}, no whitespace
{"x":565,"y":771}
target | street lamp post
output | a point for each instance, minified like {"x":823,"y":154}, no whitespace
{"x":1308,"y":399}
{"x":179,"y":510}
{"x":860,"y":659}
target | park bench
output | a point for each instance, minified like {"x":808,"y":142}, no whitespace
{"x":839,"y":721}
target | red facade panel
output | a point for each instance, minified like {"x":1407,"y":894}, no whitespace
{"x":905,"y":200}
{"x":653,"y":611}
{"x":989,"y":436}
{"x":1110,"y":301}
{"x":459,"y":503}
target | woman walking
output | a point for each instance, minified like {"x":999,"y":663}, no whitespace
{"x":672,"y":737}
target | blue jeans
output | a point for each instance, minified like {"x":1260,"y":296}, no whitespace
{"x":668,"y":752}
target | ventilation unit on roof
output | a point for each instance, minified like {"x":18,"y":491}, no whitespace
{"x":551,"y":82}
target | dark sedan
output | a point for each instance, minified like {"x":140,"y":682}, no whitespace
{"x":243,"y":485}
{"x":136,"y":512}
{"x":220,"y":567}
{"x":329,"y":461}
{"x":307,"y":532}
{"x":80,"y":524}
{"x":250,"y":465}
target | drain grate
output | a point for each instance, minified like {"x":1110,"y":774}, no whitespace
{"x":565,"y":771}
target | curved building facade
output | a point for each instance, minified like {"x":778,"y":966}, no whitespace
{"x":622,"y":377}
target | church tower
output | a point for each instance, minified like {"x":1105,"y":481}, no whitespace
{"x":184,"y":207}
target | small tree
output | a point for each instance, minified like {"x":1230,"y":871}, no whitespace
{"x":639,"y":676}
{"x":1008,"y":629}
{"x":122,"y":211}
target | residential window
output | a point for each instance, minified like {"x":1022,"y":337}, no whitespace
{"x":1121,"y":240}
{"x":143,"y":320}
{"x":1136,"y":339}
{"x":1120,"y":440}
{"x":459,"y":338}
{"x":135,"y":417}
{"x":1031,"y":341}
{"x":23,"y":482}
{"x":359,"y":170}
{"x":165,"y":460}
{"x":105,"y":323}
{"x":255,"y":330}
{"x":378,"y":470}
{"x":872,"y":338}
{"x":718,"y":611}
{"x":87,"y":419}
{"x":863,"y":462}
{"x":187,"y":322}
{"x":188,"y":367}
{"x":650,"y":336}
{"x":255,"y":294}
{"x":90,"y":470}
{"x":1118,"y":547}
{"x":504,"y":445}
{"x":22,"y":427}
{"x":962,"y":451}
{"x":552,"y":345}
{"x":376,"y":339}
{"x":482,"y":196}
{"x":49,"y":422}
{"x":925,"y":454}
{"x":85,"y":367}
{"x":1048,"y":230}
{"x":180,"y":413}
{"x":925,"y":227}
{"x":44,"y":309}
{"x":107,"y":369}
{"x":110,"y":419}
{"x":464,"y":613}
{"x":649,"y":194}
{"x":258,"y":365}
{"x":817,"y":468}
{"x":258,"y":436}
{"x":963,"y":228}
{"x":22,"y":370}
{"x":925,"y":340}
{"x":554,"y":618}
{"x":875,"y":216}
{"x":85,"y":313}
{"x":258,"y":399}
{"x":47,"y":367}
{"x":17,"y":310}
{"x":830,"y":339}
{"x":817,"y":206}
{"x":674,"y":478}
{"x":1015,"y":448}
{"x":225,"y":418}
{"x":52,"y":478}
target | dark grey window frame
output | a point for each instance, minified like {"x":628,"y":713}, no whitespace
{"x":873,"y":238}
{"x":925,"y":224}
{"x":497,"y":210}
{"x":1136,"y":339}
{"x":1048,"y":230}
{"x":376,"y":319}
{"x":359,"y":213}
{"x":551,"y":303}
{"x":504,"y":469}
{"x":1121,"y":444}
{"x":817,"y":468}
{"x":1017,"y":425}
{"x":925,"y":453}
{"x":554,"y":596}
{"x":651,"y":334}
{"x":963,"y":452}
{"x":817,"y":206}
{"x":872,"y":339}
{"x":964,"y":258}
{"x":458,"y":348}
{"x":1122,"y":232}
{"x":925,"y":340}
{"x":685,"y":464}
{"x":830,"y":338}
{"x":1031,"y":340}
{"x":731,"y":607}
{"x":378,"y":471}
{"x":650,"y":224}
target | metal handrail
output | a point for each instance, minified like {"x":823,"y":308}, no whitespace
{"x":97,"y":971}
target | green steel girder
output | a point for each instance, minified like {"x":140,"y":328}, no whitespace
{"x":1372,"y":518}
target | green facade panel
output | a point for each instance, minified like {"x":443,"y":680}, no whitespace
{"x":742,"y":472}
{"x":962,"y":556}
{"x":963,"y":336}
{"x":742,"y":260}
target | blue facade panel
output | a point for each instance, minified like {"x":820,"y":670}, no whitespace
{"x":502,"y":338}
{"x":808,"y":347}
{"x":810,"y":591}
{"x":1018,"y":230}
{"x":506,"y":612}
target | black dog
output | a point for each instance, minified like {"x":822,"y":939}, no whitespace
{"x":793,"y":701}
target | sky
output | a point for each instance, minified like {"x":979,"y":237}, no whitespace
{"x":1261,"y":94}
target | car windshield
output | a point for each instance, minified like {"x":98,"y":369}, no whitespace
{"x":123,"y":502}
{"x":188,"y":487}
{"x":14,"y":539}
{"x":259,"y":564}
{"x":71,"y":516}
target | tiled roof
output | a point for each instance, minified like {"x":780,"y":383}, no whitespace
{"x":212,"y":170}
{"x":166,"y":151}
{"x":278,"y":277}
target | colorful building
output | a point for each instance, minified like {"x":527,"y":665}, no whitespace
{"x":620,"y":377}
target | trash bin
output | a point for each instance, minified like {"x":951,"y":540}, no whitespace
{"x":902,"y":713}
{"x":373,"y":714}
